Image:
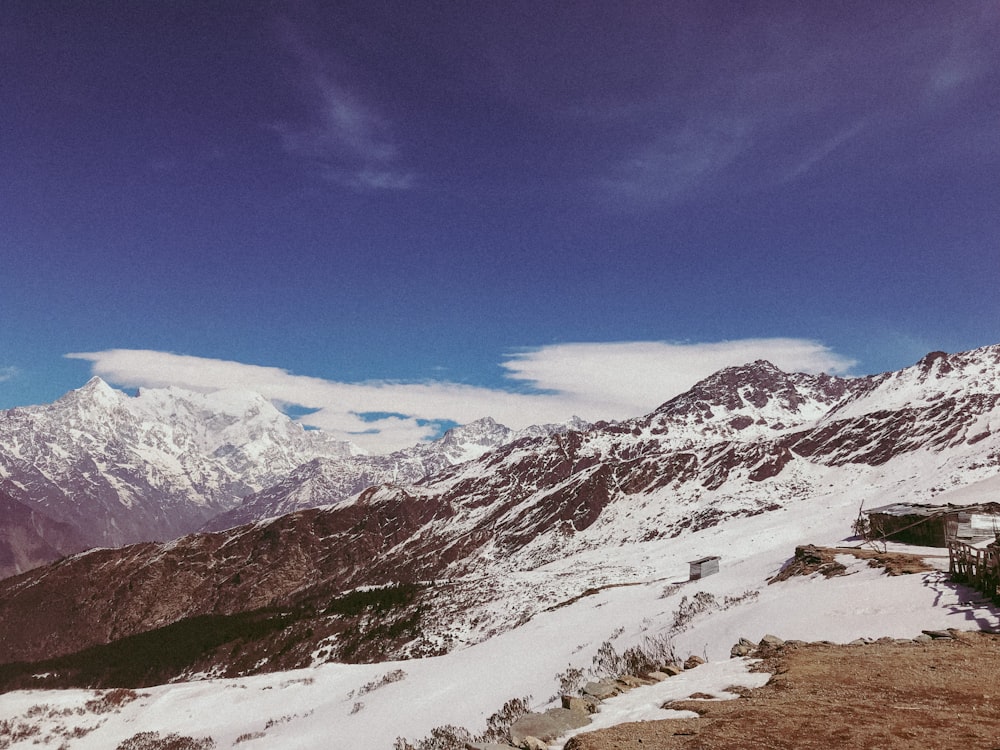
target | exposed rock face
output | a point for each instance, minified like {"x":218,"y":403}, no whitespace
{"x":750,"y":402}
{"x":29,"y":538}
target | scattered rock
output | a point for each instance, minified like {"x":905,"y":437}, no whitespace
{"x":658,"y":676}
{"x":487,"y":746}
{"x":693,"y":661}
{"x":583,"y":703}
{"x":923,"y":638}
{"x":546,"y":726}
{"x":936,"y":634}
{"x":742,"y":647}
{"x":686,"y":727}
{"x":629,"y":681}
{"x":672,"y":669}
{"x":810,"y":559}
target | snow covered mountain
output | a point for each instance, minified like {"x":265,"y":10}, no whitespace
{"x":324,"y":481}
{"x":500,"y":539}
{"x":121,"y":469}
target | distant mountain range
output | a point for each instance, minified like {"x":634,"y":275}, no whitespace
{"x":101,"y":468}
{"x":747,"y":441}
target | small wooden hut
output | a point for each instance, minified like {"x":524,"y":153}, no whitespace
{"x":706,"y":566}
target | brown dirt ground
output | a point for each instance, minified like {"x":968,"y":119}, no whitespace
{"x":811,"y":559}
{"x":941,"y":695}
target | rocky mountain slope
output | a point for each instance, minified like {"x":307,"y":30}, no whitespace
{"x":324,"y":481}
{"x":747,"y":442}
{"x":29,"y":538}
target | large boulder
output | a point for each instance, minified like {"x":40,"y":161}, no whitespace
{"x":602,"y":689}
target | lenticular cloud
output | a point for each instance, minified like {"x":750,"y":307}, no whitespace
{"x":594,"y":381}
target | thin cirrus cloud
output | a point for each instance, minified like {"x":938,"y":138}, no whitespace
{"x":345,"y":136}
{"x":8,"y":373}
{"x":679,"y":163}
{"x":824,"y":150}
{"x":594,"y":381}
{"x":762,"y":120}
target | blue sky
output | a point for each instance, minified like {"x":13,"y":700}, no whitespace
{"x":490,"y":202}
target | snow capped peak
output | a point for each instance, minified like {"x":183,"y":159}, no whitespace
{"x":748,"y":401}
{"x":473,"y":439}
{"x":95,"y":391}
{"x":158,"y":465}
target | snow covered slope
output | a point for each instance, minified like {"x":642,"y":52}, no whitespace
{"x":342,"y":706}
{"x":485,"y":524}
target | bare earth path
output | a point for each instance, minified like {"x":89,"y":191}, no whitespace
{"x":941,"y":695}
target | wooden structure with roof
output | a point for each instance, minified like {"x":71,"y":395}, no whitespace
{"x":935,"y":525}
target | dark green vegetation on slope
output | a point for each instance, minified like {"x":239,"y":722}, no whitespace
{"x":362,"y":626}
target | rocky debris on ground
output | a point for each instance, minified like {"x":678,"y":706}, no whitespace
{"x":583,"y":703}
{"x":534,"y":731}
{"x":810,"y":559}
{"x":547,"y":726}
{"x":937,"y":634}
{"x":602,"y":689}
{"x":825,"y":695}
{"x":770,"y":644}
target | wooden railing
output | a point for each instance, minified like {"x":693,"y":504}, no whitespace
{"x":978,"y":567}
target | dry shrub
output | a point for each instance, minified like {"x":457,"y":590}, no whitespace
{"x":173,"y":741}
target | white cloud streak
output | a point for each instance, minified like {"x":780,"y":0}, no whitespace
{"x":824,"y":150}
{"x":8,"y":373}
{"x":593,"y":381}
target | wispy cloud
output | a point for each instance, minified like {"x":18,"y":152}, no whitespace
{"x":823,"y":150}
{"x":677,"y":164}
{"x":594,"y":381}
{"x":763,"y":116}
{"x":8,"y":373}
{"x":970,"y":52}
{"x":345,"y":135}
